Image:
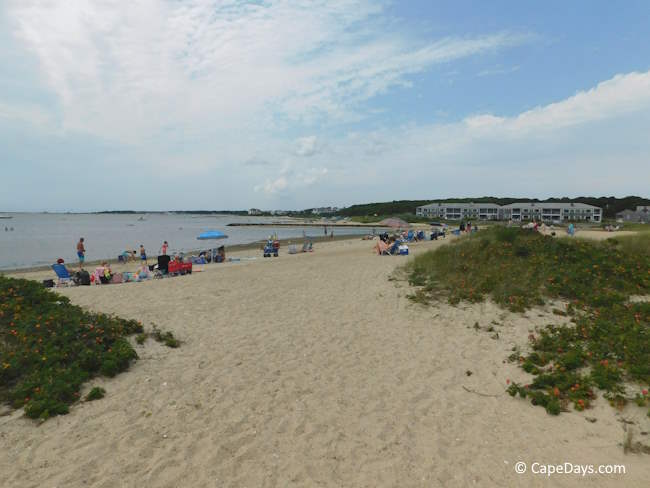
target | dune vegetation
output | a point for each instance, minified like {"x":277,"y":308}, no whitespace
{"x":604,"y":286}
{"x":49,"y":348}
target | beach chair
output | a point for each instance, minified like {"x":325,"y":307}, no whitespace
{"x":307,"y":246}
{"x":410,"y":237}
{"x":62,"y":274}
{"x":394,"y":249}
{"x":163,"y":263}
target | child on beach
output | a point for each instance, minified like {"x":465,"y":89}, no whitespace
{"x":143,"y":254}
{"x":163,"y":248}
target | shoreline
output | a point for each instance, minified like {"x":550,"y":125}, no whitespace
{"x":257,"y":245}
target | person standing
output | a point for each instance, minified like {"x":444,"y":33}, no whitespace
{"x":163,"y":248}
{"x":81,"y":252}
{"x":143,"y":254}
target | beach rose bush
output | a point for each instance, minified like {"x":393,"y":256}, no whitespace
{"x":49,"y":348}
{"x":607,"y":344}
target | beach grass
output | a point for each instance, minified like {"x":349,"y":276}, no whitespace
{"x":49,"y":348}
{"x":606,"y":345}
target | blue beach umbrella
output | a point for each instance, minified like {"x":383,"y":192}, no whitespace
{"x":212,"y":234}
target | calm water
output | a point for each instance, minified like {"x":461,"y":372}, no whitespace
{"x":39,"y":239}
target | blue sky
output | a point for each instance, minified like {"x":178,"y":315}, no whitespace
{"x":290,"y":104}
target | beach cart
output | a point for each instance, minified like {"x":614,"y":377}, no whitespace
{"x":271,"y":249}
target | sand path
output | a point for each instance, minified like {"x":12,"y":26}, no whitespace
{"x":310,"y":370}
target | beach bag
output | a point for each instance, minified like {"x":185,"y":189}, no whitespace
{"x":83,"y":277}
{"x":117,"y":278}
{"x":48,"y":283}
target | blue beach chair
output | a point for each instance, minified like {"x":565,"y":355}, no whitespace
{"x":62,"y":274}
{"x":394,"y":249}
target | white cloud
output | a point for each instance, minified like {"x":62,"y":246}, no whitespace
{"x":620,"y":95}
{"x":591,"y":142}
{"x":307,"y":146}
{"x":128,"y":70}
{"x":292,"y":177}
{"x":273,"y":186}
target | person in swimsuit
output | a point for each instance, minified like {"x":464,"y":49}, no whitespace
{"x":81,"y":252}
{"x":143,"y":254}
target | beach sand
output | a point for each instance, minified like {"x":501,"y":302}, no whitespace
{"x":313,"y":370}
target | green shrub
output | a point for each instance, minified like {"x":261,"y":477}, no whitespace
{"x":95,"y":394}
{"x":166,"y":338}
{"x":49,"y":348}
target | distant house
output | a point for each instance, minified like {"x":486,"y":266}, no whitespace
{"x":254,"y":211}
{"x":324,"y":210}
{"x":641,"y":214}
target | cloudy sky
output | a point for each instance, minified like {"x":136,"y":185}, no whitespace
{"x":288,"y":104}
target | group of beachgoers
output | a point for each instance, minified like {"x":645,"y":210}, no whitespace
{"x":127,"y":255}
{"x":165,"y":265}
{"x":103,"y":274}
{"x":397,"y":243}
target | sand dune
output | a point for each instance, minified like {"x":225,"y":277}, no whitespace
{"x":312,"y":370}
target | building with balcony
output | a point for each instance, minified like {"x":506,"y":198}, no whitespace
{"x":459,"y":211}
{"x":519,"y":211}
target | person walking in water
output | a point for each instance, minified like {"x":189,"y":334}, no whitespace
{"x":81,"y":252}
{"x":163,"y":248}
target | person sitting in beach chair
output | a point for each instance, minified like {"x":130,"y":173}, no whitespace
{"x":221,"y":255}
{"x":381,"y":247}
{"x":62,"y":273}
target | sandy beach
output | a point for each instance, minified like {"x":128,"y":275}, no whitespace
{"x":314,"y":370}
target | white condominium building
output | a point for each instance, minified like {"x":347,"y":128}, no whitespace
{"x":519,"y":211}
{"x":458,"y":211}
